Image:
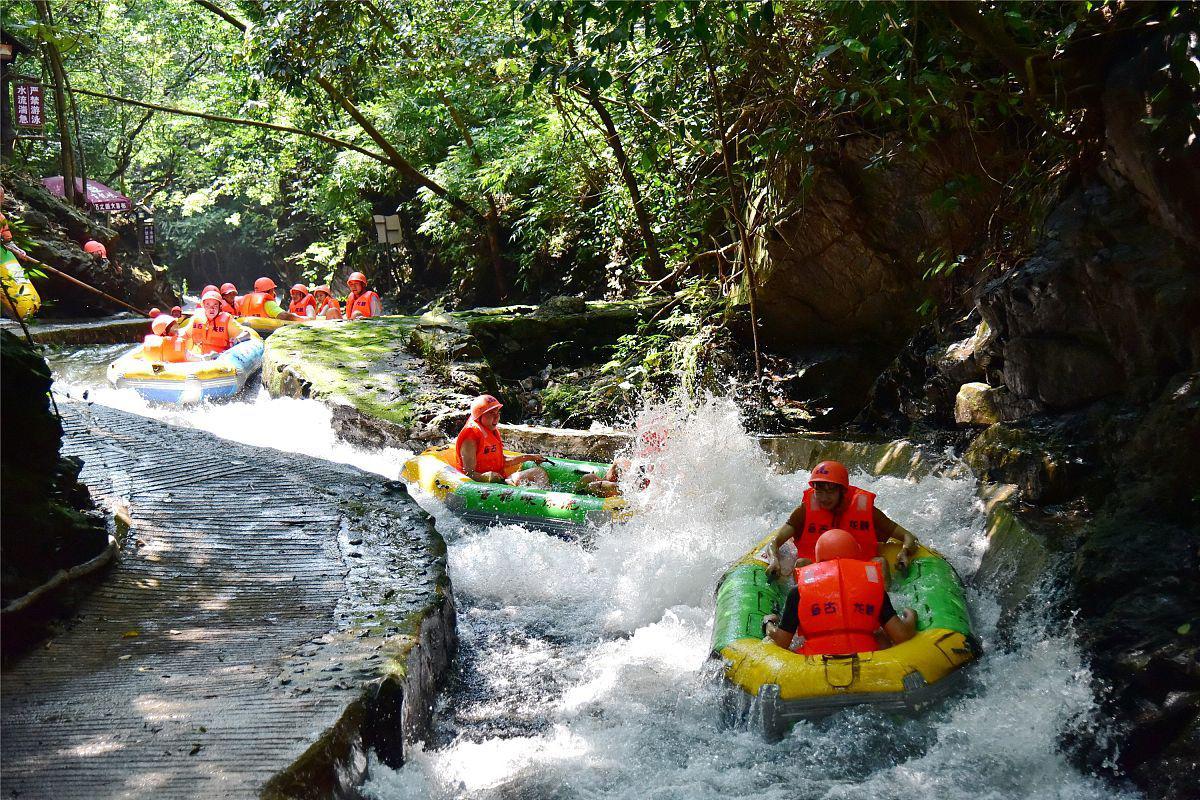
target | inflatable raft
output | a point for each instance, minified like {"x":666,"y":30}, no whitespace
{"x":190,"y":381}
{"x":785,"y":687}
{"x":558,"y":509}
{"x":18,"y":297}
{"x":265,"y":326}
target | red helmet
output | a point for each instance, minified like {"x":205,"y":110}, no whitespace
{"x":837,"y":543}
{"x":207,"y":289}
{"x":357,"y":276}
{"x":300,"y":287}
{"x":92,"y":247}
{"x":176,"y":311}
{"x":264,"y":285}
{"x":483,"y":404}
{"x":830,"y":472}
{"x":210,"y":295}
{"x":160,"y":323}
{"x":226,"y":288}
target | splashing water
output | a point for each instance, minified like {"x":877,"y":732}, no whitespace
{"x":281,"y":423}
{"x":583,"y":671}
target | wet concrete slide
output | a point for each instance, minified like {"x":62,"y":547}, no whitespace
{"x":270,"y":617}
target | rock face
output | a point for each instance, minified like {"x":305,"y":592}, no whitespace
{"x":54,"y":233}
{"x":408,"y":381}
{"x":50,"y":523}
{"x":839,"y":284}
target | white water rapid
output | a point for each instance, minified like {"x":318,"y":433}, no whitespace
{"x":583,"y":670}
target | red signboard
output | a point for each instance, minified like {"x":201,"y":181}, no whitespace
{"x":27,"y":99}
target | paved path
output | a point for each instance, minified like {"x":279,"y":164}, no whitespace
{"x":251,"y":602}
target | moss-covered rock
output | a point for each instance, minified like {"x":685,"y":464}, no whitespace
{"x":50,"y":523}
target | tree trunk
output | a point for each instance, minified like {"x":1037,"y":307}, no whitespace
{"x":653,"y":263}
{"x":58,"y":74}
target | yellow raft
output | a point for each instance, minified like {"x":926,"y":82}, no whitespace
{"x":17,"y":295}
{"x":558,"y":509}
{"x":265,"y":326}
{"x":784,"y":687}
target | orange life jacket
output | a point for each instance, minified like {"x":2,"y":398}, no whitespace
{"x":489,"y":450}
{"x":362,"y":304}
{"x":329,"y":309}
{"x":856,"y":514}
{"x":211,"y":336}
{"x":297,"y":306}
{"x":169,"y":349}
{"x":839,"y":606}
{"x":228,"y":309}
{"x":255,"y":305}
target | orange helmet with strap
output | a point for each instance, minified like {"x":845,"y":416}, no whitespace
{"x":837,"y":543}
{"x":357,"y":276}
{"x":160,"y":324}
{"x":483,"y":404}
{"x":226,"y":288}
{"x":264,"y":285}
{"x":830,"y":472}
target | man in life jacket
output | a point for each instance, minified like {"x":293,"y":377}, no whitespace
{"x":831,"y":502}
{"x":165,"y":344}
{"x":303,"y":305}
{"x":232,"y":303}
{"x":479,"y":452}
{"x":212,"y":330}
{"x":327,"y":304}
{"x":362,"y":303}
{"x":839,"y":603}
{"x":261,"y":302}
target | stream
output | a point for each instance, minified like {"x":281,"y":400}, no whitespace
{"x":583,"y":669}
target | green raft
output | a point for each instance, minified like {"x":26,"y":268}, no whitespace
{"x":558,"y":509}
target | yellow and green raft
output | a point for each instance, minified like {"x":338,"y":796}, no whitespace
{"x":558,"y":509}
{"x":17,"y":295}
{"x":781,"y":687}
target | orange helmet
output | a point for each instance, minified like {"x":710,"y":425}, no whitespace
{"x":176,"y":311}
{"x":358,"y":276}
{"x":483,"y":404}
{"x":837,"y":543}
{"x":264,"y":285}
{"x":226,"y":288}
{"x":210,"y":295}
{"x":154,"y":312}
{"x":207,"y":289}
{"x":160,"y":323}
{"x":324,"y":287}
{"x":300,"y":287}
{"x":830,"y":472}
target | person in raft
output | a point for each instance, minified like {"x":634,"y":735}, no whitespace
{"x":831,"y":502}
{"x":650,"y":442}
{"x":262,"y":303}
{"x":165,"y":343}
{"x":479,"y":452}
{"x":232,"y":303}
{"x":213,"y":331}
{"x":327,"y":304}
{"x":303,"y":305}
{"x":362,"y":303}
{"x":840,"y":604}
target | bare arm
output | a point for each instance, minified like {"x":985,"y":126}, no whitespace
{"x":886,"y":528}
{"x":468,"y":453}
{"x":781,"y":536}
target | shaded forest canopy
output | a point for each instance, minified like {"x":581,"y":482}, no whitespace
{"x":540,"y":147}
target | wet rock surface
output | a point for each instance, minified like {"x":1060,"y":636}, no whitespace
{"x":408,"y":381}
{"x":50,"y":522}
{"x":271,"y":619}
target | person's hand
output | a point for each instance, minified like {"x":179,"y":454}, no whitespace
{"x":902,"y":561}
{"x":769,"y":619}
{"x":537,"y":459}
{"x":772,"y":566}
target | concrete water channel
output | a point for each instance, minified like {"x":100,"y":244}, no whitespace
{"x":270,"y":619}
